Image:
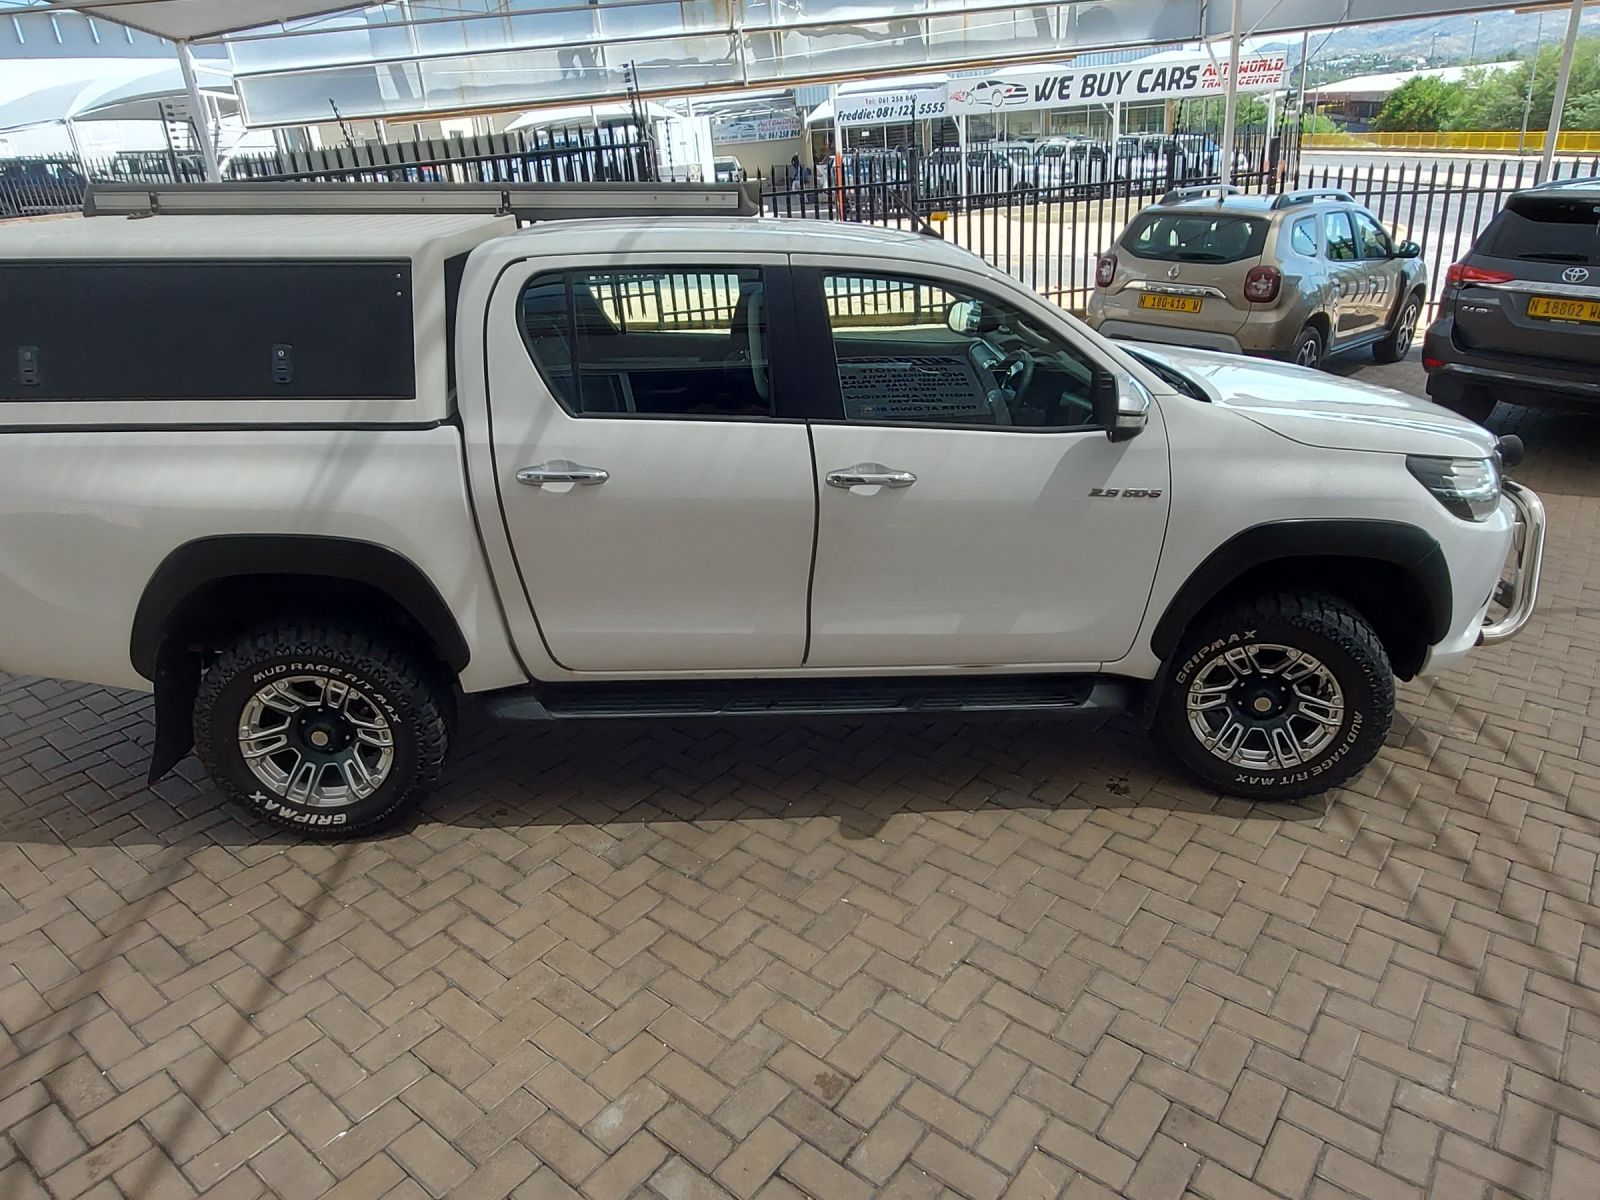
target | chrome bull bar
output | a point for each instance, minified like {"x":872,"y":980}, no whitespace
{"x":1523,"y":589}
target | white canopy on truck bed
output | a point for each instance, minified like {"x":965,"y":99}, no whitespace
{"x":282,"y":319}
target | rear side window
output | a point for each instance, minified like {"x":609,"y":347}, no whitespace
{"x":1194,"y":237}
{"x":1341,"y":237}
{"x":1303,"y":237}
{"x":1546,"y":229}
{"x":679,"y":342}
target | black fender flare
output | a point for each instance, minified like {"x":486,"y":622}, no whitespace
{"x":1413,"y":550}
{"x":175,"y":671}
{"x":207,"y":560}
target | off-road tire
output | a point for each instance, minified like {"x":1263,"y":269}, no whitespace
{"x":1473,"y":403}
{"x":412,"y":699}
{"x":1316,"y":624}
{"x":1402,"y":334}
{"x":1309,"y":348}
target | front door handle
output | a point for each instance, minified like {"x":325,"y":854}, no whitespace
{"x":870,"y":475}
{"x":561,"y":471}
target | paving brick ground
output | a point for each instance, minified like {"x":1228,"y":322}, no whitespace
{"x":832,"y":960}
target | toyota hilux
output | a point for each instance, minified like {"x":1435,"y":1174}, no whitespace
{"x":318,"y":465}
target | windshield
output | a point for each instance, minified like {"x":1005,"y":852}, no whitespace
{"x":1170,"y":375}
{"x":1194,"y":237}
{"x":1546,"y":229}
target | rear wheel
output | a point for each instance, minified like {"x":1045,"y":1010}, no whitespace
{"x":1278,"y":697}
{"x":1473,"y":403}
{"x":1402,"y":333}
{"x":326,"y":730}
{"x":1308,"y":348}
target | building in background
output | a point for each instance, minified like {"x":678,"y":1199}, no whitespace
{"x":1355,"y":103}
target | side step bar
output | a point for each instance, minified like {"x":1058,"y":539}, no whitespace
{"x":1041,"y":695}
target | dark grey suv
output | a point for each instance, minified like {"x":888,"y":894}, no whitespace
{"x":1519,"y":320}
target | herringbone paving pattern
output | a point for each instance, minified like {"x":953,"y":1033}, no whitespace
{"x":830,"y":960}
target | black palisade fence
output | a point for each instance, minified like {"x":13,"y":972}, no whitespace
{"x":1041,"y":211}
{"x":1044,"y":212}
{"x":582,"y":154}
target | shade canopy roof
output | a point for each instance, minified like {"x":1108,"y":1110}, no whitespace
{"x":570,"y":114}
{"x":99,"y":89}
{"x":189,"y":20}
{"x":298,"y":61}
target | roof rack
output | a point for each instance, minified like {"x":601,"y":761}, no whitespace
{"x":525,"y":201}
{"x":1310,"y":196}
{"x":1220,"y":190}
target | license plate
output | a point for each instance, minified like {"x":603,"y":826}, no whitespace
{"x":1554,"y":308}
{"x":1186,"y":304}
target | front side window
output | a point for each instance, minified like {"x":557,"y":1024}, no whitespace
{"x":1341,"y":238}
{"x":1374,"y":241}
{"x":910,"y":351}
{"x":674,"y":342}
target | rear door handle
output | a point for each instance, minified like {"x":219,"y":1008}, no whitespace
{"x":561,"y":471}
{"x":870,"y":475}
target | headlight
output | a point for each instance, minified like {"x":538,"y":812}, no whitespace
{"x":1468,"y":487}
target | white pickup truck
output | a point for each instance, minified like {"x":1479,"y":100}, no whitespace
{"x":312,"y":463}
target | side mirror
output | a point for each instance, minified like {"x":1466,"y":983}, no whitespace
{"x":1121,"y":404}
{"x":1408,"y":250}
{"x":964,"y":317}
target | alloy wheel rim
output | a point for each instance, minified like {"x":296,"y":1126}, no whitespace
{"x":1307,"y":357}
{"x":1408,"y":328}
{"x":1265,"y":705}
{"x":316,"y":741}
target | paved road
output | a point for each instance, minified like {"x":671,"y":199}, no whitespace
{"x":918,"y":959}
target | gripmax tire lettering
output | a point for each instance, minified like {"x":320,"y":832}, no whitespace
{"x":401,"y":688}
{"x":1315,"y":624}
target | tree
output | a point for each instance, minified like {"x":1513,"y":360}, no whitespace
{"x":1209,"y":113}
{"x":1496,"y":99}
{"x":1423,"y":102}
{"x":1315,"y":122}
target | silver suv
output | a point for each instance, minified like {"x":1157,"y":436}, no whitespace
{"x":1297,"y":276}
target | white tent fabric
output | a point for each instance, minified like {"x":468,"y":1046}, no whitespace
{"x":141,"y":100}
{"x":570,"y":113}
{"x":92,"y":89}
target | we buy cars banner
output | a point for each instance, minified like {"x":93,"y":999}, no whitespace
{"x":1126,"y":83}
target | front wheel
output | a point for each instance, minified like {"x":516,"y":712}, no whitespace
{"x":327,"y":730}
{"x":1397,"y":343}
{"x":1278,"y":698}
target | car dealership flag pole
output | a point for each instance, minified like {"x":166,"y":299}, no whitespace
{"x":1559,"y":101}
{"x":1230,"y":110}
